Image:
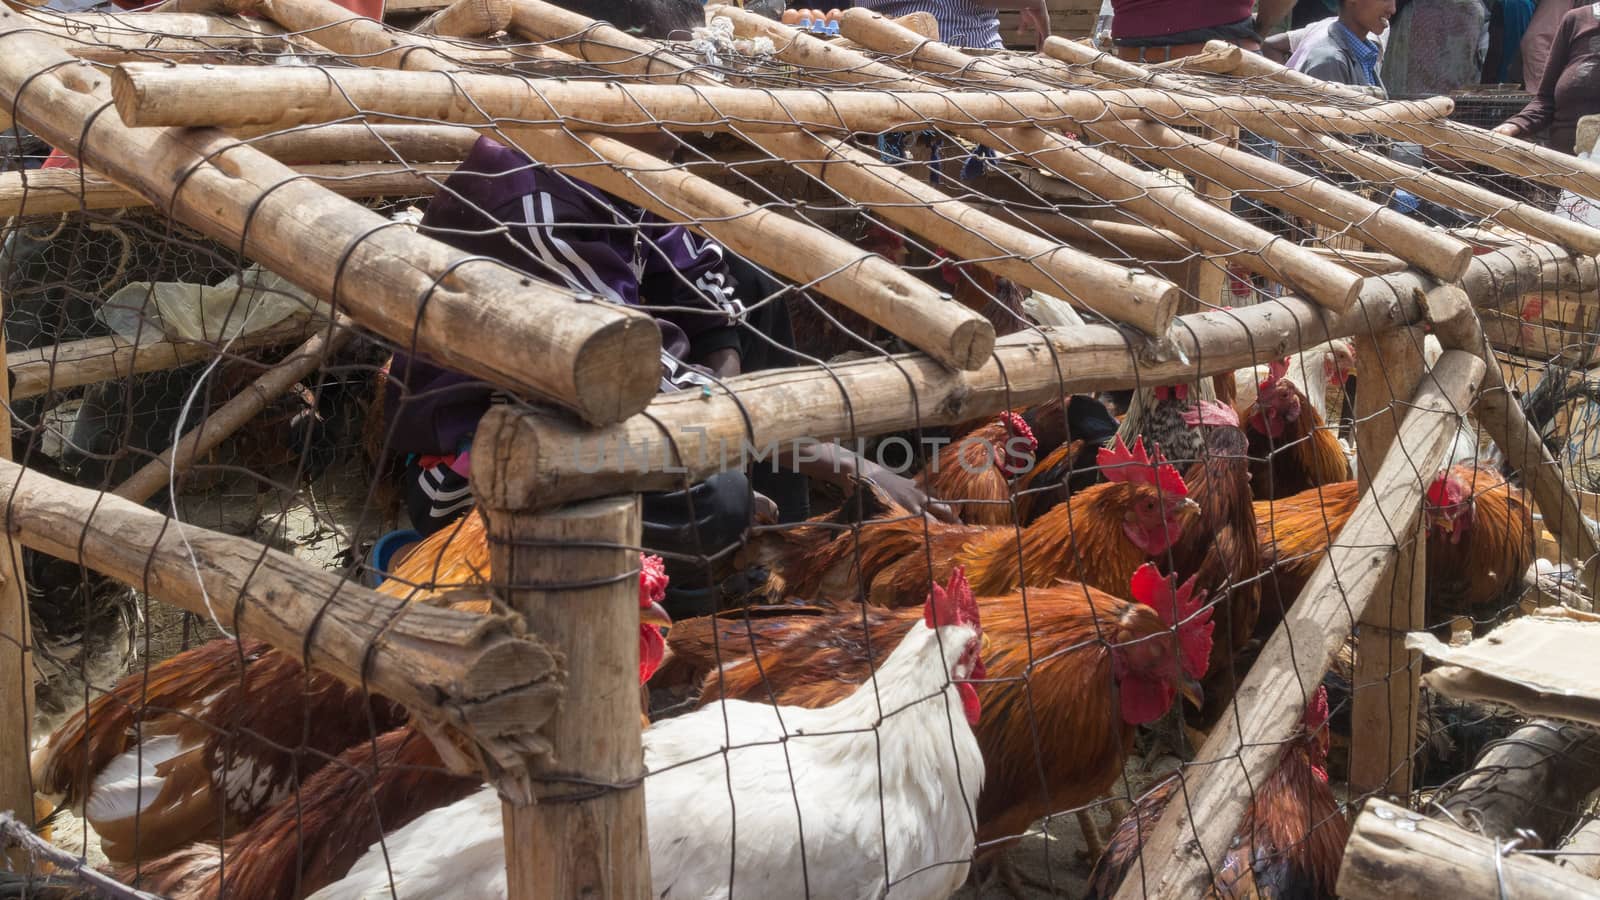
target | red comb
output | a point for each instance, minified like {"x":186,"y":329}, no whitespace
{"x":952,"y":604}
{"x":652,"y":579}
{"x":1137,"y":467}
{"x":1211,"y":412}
{"x":1439,"y":490}
{"x":1317,"y":709}
{"x":1181,"y":608}
{"x":1019,"y":428}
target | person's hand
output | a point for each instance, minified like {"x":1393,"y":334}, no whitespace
{"x":906,"y":493}
{"x":723,"y":363}
{"x":1037,"y":21}
{"x":1509,"y":129}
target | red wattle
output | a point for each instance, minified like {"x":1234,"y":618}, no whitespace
{"x":652,"y":649}
{"x":969,"y":702}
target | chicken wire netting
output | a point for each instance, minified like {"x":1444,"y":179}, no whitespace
{"x":984,"y":610}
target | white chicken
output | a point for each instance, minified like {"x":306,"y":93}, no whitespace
{"x":785,"y":801}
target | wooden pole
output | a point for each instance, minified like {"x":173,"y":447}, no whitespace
{"x":1536,"y":778}
{"x":572,"y":575}
{"x":60,"y":367}
{"x":43,"y":191}
{"x":234,"y":414}
{"x":470,"y":314}
{"x":1453,"y":139}
{"x":1433,"y":251}
{"x":551,"y":461}
{"x":16,"y":660}
{"x":1147,"y":195}
{"x":1395,"y":854}
{"x":1195,"y":832}
{"x":1387,"y":676}
{"x":1581,"y":852}
{"x":460,"y":674}
{"x":108,"y":36}
{"x":413,"y":144}
{"x":468,"y":19}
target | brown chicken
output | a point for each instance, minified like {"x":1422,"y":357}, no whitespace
{"x":1219,"y":549}
{"x":973,"y":473}
{"x":1480,"y":543}
{"x":1293,"y":534}
{"x":220,"y":734}
{"x":1290,"y":843}
{"x":1071,"y":672}
{"x":1291,"y":448}
{"x":1100,"y":537}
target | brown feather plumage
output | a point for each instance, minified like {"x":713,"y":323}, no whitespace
{"x":1306,"y":455}
{"x":965,"y":475}
{"x":1293,"y":534}
{"x":1482,"y":574}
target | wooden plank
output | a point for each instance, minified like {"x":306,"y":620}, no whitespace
{"x":1396,"y":854}
{"x":1242,"y":749}
{"x":578,"y":837}
{"x":1387,"y":676}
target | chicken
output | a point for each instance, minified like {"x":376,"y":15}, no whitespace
{"x":1480,"y":542}
{"x":219,"y":734}
{"x":974,"y":473}
{"x":1290,"y":843}
{"x":871,"y":796}
{"x":213,"y":738}
{"x":1291,"y":448}
{"x":1072,"y":672}
{"x":311,"y":839}
{"x":1100,"y":537}
{"x":1293,"y":534}
{"x":1220,"y":549}
{"x":1067,"y":448}
{"x":1313,"y":370}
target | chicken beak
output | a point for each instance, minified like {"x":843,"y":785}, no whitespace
{"x":1445,"y":524}
{"x":655,"y":615}
{"x":1192,"y":692}
{"x":984,"y":644}
{"x":1189,"y":507}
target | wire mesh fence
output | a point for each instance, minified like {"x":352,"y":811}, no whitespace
{"x":1042,"y":461}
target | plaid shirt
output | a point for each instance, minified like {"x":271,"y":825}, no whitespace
{"x":1363,"y":51}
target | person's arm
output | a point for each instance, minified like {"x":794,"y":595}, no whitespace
{"x":1536,"y":116}
{"x":1035,"y":15}
{"x":688,"y":281}
{"x":838,"y":466}
{"x":1271,"y":13}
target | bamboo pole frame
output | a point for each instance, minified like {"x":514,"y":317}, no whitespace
{"x":1437,"y":253}
{"x":582,"y":833}
{"x":461,"y":675}
{"x":1387,"y":676}
{"x":234,"y":414}
{"x":547,"y":460}
{"x":1191,"y":835}
{"x":1147,"y":195}
{"x":476,"y":316}
{"x":47,"y":191}
{"x":468,"y":19}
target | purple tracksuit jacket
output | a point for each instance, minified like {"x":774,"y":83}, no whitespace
{"x":501,"y":205}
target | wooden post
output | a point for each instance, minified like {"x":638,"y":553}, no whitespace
{"x":1387,"y":676}
{"x":234,"y":414}
{"x":1193,"y":835}
{"x":573,"y":577}
{"x":16,"y":658}
{"x":1396,"y":854}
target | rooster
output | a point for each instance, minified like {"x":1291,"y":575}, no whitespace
{"x":870,"y":796}
{"x":1290,"y":843}
{"x":1293,"y":534}
{"x":1480,"y":541}
{"x":1072,"y":672}
{"x":974,"y":473}
{"x":1100,"y":537}
{"x":310,"y":840}
{"x":1290,"y":446}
